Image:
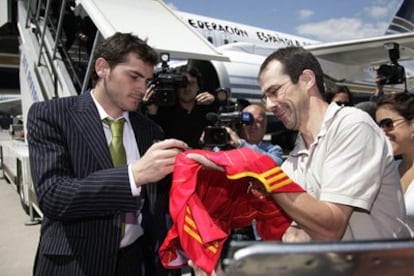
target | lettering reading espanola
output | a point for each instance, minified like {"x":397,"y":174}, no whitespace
{"x":270,"y":38}
{"x":212,"y":26}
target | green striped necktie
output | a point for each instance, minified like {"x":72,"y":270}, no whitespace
{"x":118,"y":154}
{"x":116,"y":146}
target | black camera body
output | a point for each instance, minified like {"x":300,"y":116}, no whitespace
{"x":166,"y":83}
{"x":216,"y":135}
{"x":392,"y":73}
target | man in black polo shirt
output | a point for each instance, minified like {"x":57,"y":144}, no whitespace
{"x":186,"y":119}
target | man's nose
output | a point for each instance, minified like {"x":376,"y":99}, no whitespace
{"x":270,"y":105}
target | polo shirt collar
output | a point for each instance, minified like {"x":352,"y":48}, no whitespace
{"x":300,"y":147}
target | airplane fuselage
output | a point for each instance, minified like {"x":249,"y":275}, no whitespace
{"x":222,"y":32}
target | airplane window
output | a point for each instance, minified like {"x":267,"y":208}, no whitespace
{"x":226,"y":41}
{"x":210,"y":39}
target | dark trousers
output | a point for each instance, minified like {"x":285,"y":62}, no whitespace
{"x":130,"y":259}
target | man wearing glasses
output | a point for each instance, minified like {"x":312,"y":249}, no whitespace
{"x":341,"y":158}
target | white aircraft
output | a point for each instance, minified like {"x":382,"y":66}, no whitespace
{"x":350,"y":63}
{"x":229,"y":54}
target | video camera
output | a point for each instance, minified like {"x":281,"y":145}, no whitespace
{"x":166,"y":83}
{"x":392,"y":73}
{"x":216,"y":135}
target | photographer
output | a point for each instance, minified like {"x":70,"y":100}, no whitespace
{"x":392,"y":73}
{"x":379,"y":88}
{"x":186,"y":119}
{"x":251,"y":135}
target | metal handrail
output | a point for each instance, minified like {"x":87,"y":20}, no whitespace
{"x":44,"y":51}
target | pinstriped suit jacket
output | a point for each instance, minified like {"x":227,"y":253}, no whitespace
{"x":80,"y":193}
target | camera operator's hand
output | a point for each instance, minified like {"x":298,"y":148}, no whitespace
{"x":379,"y":90}
{"x":234,"y":138}
{"x":204,"y":98}
{"x":152,"y":108}
{"x":148,"y":93}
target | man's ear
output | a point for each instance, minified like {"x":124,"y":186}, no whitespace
{"x":308,"y":77}
{"x":101,"y":67}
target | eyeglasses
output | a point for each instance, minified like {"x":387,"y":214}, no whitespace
{"x":274,"y":93}
{"x":388,"y":124}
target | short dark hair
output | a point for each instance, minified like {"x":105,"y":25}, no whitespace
{"x":115,"y":49}
{"x":402,"y":103}
{"x":294,"y":60}
{"x":331,"y":92}
{"x":192,"y":71}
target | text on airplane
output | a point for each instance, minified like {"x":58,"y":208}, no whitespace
{"x":262,"y":36}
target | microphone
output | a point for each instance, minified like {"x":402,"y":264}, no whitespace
{"x":236,"y":116}
{"x":212,"y":118}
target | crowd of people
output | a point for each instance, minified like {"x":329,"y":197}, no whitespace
{"x":108,"y":217}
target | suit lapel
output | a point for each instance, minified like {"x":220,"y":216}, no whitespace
{"x":86,"y":119}
{"x":141,"y":136}
{"x":144,"y":135}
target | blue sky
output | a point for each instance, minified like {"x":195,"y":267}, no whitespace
{"x":323,"y":20}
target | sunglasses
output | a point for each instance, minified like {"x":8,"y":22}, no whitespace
{"x":343,"y":103}
{"x":388,"y":124}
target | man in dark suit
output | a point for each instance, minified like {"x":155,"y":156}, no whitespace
{"x":82,"y":195}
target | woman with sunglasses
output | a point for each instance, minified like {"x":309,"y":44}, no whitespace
{"x":341,"y":95}
{"x":395,"y":115}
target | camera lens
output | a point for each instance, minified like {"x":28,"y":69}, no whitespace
{"x":391,"y":74}
{"x":384,"y":73}
{"x":219,"y":136}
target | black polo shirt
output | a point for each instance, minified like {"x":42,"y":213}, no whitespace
{"x":183,"y":125}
